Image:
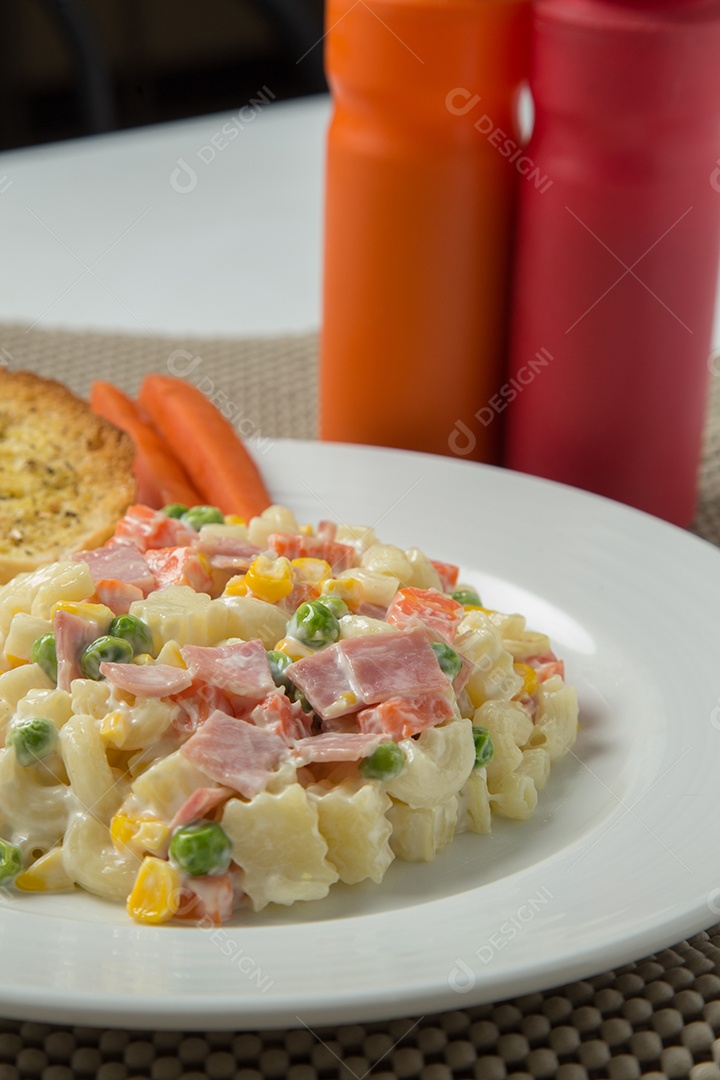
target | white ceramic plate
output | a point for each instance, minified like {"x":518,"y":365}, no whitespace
{"x":620,"y":860}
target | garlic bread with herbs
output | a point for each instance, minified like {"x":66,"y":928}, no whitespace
{"x":65,"y":474}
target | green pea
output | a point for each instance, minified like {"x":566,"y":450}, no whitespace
{"x":114,"y":649}
{"x":335,"y":604}
{"x":385,"y":762}
{"x":134,"y":631}
{"x":10,"y":860}
{"x":278,"y":662}
{"x":44,"y":653}
{"x":467,"y":596}
{"x":175,"y":510}
{"x":32,"y":740}
{"x":484,"y":749}
{"x":314,"y":625}
{"x":304,"y":703}
{"x":449,"y":661}
{"x":197,"y":516}
{"x":201,"y":848}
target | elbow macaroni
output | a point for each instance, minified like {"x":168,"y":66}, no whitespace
{"x":104,"y":803}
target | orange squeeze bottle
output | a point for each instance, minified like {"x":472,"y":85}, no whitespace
{"x":419,"y":208}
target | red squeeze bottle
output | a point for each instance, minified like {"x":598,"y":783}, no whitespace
{"x":617,"y":258}
{"x":419,"y":210}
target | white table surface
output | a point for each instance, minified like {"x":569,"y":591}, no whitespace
{"x":111,"y":233}
{"x":95,"y":233}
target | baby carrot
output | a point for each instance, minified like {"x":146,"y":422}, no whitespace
{"x":216,"y":459}
{"x":160,"y":477}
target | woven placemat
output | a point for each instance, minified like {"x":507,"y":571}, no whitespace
{"x":658,"y":1017}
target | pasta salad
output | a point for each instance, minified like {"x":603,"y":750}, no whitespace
{"x":205,"y":714}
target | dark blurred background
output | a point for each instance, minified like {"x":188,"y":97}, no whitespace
{"x":77,"y":67}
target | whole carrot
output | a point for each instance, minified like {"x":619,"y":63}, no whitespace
{"x":161,"y":479}
{"x":215,"y":457}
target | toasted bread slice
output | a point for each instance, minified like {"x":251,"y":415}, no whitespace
{"x":65,"y":474}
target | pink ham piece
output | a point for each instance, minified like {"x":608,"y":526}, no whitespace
{"x":195,"y":705}
{"x":400,"y":717}
{"x":241,"y":669}
{"x":440,"y":615}
{"x":72,"y":634}
{"x":283,"y":717}
{"x":199,"y":804}
{"x":235,"y":753}
{"x":146,"y":680}
{"x":122,"y":562}
{"x":226,"y":552}
{"x":364,"y":670}
{"x":336,"y":747}
{"x":210,"y":898}
{"x":466,"y":670}
{"x":295,"y":546}
{"x":117,"y":595}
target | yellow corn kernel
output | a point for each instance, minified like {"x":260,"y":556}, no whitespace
{"x":170,"y":654}
{"x":139,"y":835}
{"x":114,"y":727}
{"x":98,"y":612}
{"x":270,"y":579}
{"x":312,"y":570}
{"x":234,"y":519}
{"x":529,"y":678}
{"x":143,"y":659}
{"x":349,"y":589}
{"x":479,"y":607}
{"x":155,"y":896}
{"x":306,"y":530}
{"x":236,"y":586}
{"x":294,"y":649}
{"x":47,"y":874}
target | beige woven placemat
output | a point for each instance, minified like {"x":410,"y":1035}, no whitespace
{"x":658,"y":1017}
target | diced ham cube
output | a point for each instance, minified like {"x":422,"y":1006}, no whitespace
{"x":72,"y":634}
{"x":326,"y":681}
{"x":211,"y":897}
{"x":235,"y":753}
{"x":546,"y":665}
{"x":199,"y":804}
{"x":283,"y":717}
{"x":400,"y":717}
{"x":334,"y":746}
{"x":147,"y":529}
{"x":326,"y":530}
{"x":368,"y":669}
{"x":447,"y":572}
{"x":180,"y":566}
{"x":439,"y":614}
{"x":119,"y":562}
{"x":240,"y":669}
{"x":196,"y":704}
{"x":295,"y":546}
{"x":389,"y":665}
{"x":226,"y":552}
{"x":146,"y":680}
